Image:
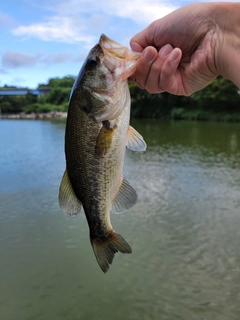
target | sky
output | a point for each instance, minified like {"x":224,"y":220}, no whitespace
{"x":43,"y":39}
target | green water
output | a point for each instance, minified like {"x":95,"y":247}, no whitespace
{"x":184,"y":231}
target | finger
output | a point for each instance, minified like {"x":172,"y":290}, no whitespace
{"x":141,"y":40}
{"x":136,"y":47}
{"x":156,"y":35}
{"x":153,"y":79}
{"x":170,"y":78}
{"x":143,"y":66}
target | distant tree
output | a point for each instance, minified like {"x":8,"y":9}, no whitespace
{"x":57,"y":96}
{"x":12,"y":87}
{"x":12,"y":104}
{"x":30,"y":98}
{"x":65,"y":82}
{"x":221,"y":97}
{"x":221,"y":94}
{"x":146,"y":105}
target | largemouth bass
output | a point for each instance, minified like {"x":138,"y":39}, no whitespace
{"x":97,"y":133}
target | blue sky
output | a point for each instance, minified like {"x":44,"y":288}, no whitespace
{"x":42,"y":39}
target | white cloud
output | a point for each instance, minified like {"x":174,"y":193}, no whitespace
{"x":55,"y":58}
{"x":59,"y":29}
{"x":73,"y":21}
{"x":141,"y":12}
{"x":13,"y":59}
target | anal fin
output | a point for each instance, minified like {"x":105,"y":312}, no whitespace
{"x":68,"y":200}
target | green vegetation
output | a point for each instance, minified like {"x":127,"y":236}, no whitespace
{"x":55,"y":100}
{"x":220,"y":101}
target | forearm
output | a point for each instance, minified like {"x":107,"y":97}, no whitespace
{"x":227,"y":51}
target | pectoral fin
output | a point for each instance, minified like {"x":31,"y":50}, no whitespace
{"x":135,"y":141}
{"x":104,"y":139}
{"x":67,"y":198}
{"x":125,"y":198}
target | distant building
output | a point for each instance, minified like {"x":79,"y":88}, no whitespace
{"x":40,"y":91}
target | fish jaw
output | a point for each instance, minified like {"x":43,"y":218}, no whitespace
{"x":120,"y":63}
{"x":118,"y":58}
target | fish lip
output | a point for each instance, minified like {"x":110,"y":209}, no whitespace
{"x":115,"y":49}
{"x":117,"y":57}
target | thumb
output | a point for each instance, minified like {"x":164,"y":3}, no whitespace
{"x":136,"y":47}
{"x":141,"y":40}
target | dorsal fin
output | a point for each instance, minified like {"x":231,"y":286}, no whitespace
{"x":125,"y":198}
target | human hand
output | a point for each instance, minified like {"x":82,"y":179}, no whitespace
{"x":179,"y":51}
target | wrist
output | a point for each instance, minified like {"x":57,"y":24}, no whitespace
{"x":227,"y":49}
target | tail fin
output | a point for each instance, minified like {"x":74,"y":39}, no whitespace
{"x":104,"y":250}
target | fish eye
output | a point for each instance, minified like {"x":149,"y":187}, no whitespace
{"x":93,"y":62}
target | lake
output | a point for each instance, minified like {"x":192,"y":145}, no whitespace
{"x":184,"y":230}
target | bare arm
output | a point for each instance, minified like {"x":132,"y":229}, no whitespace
{"x":184,"y":51}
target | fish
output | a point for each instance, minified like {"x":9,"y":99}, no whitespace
{"x":96,"y":136}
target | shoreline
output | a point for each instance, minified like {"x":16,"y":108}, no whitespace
{"x":177,"y":114}
{"x":33,"y":115}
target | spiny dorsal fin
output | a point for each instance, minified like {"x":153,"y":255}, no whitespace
{"x":135,"y":141}
{"x":125,"y":198}
{"x":67,"y":198}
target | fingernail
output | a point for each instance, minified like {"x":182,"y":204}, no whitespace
{"x":148,"y":54}
{"x":165,"y":50}
{"x":173,"y":55}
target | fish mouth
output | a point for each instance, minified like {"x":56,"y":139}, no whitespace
{"x":117,"y":50}
{"x":119,"y":60}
